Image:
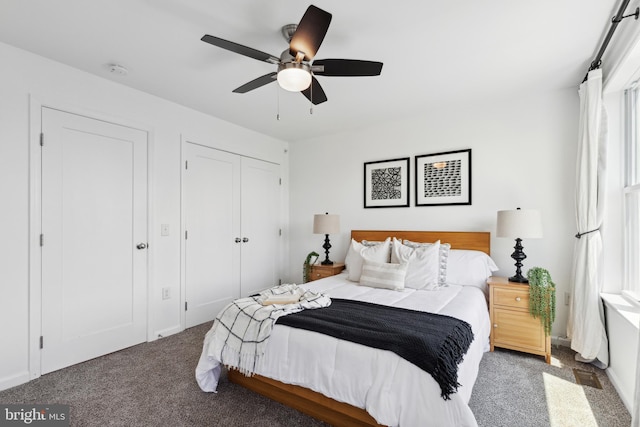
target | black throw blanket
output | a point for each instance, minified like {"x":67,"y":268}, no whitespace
{"x":433,"y":342}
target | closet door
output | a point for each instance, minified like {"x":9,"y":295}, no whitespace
{"x":94,"y":234}
{"x":212,"y":222}
{"x":260,"y":264}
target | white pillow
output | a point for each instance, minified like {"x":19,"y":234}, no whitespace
{"x":358,"y":252}
{"x":471,"y":268}
{"x":423,"y":265}
{"x":442,"y":262}
{"x":383,"y":275}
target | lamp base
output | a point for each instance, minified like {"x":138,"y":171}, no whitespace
{"x":326,"y":247}
{"x":518,"y":255}
{"x":518,"y":278}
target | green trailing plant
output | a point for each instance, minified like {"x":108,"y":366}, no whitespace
{"x":308,"y":262}
{"x":542,"y":297}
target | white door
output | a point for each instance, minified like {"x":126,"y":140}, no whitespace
{"x":260,"y":225}
{"x":94,"y":214}
{"x":212,"y":222}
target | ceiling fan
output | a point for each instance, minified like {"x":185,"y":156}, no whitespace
{"x":295,"y":70}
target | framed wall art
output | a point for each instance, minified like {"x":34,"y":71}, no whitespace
{"x":443,"y":178}
{"x":386,"y":183}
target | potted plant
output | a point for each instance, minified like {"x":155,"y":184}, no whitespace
{"x":542,"y":297}
{"x":308,"y":262}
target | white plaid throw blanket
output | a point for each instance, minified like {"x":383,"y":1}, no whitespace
{"x":240,"y":331}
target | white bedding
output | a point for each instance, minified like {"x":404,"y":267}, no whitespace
{"x":395,"y":392}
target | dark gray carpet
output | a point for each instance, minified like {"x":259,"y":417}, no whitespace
{"x":153,"y":385}
{"x":518,"y":389}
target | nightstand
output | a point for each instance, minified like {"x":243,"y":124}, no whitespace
{"x":319,"y":271}
{"x":512,"y":325}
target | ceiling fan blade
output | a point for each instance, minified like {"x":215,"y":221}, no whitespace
{"x":242,"y":50}
{"x":316,"y":90}
{"x":347,"y":67}
{"x":310,"y":32}
{"x":256,"y":83}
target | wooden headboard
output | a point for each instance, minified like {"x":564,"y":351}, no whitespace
{"x":474,"y":240}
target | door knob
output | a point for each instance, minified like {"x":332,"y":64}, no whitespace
{"x":238,"y":240}
{"x":245,"y":240}
{"x":141,"y":246}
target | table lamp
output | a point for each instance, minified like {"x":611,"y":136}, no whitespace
{"x":326,"y":224}
{"x":519,"y":224}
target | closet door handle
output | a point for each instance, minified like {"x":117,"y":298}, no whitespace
{"x":245,"y":240}
{"x":141,"y":246}
{"x":238,"y":240}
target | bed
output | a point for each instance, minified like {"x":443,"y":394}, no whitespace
{"x":348,"y":384}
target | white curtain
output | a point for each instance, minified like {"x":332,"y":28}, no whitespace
{"x":585,"y":327}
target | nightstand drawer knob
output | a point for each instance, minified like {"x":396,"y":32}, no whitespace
{"x":495,"y":325}
{"x":518,"y":299}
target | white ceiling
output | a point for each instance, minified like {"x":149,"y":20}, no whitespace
{"x":434,"y":52}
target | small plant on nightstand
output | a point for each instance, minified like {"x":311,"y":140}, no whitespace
{"x":542,"y":297}
{"x":311,"y":258}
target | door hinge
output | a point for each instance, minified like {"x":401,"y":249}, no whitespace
{"x":41,"y":139}
{"x":42,"y":240}
{"x":186,"y":234}
{"x":280,"y":232}
{"x":279,"y":282}
{"x":41,"y":342}
{"x":280,"y":181}
{"x":186,"y":164}
{"x":185,"y":306}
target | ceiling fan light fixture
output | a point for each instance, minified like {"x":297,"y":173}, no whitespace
{"x":294,"y":76}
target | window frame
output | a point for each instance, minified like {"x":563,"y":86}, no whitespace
{"x":631,"y":189}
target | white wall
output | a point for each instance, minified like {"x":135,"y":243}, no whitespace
{"x":24,"y":75}
{"x":523,"y":155}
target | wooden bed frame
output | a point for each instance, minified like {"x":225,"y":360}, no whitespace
{"x":318,"y":405}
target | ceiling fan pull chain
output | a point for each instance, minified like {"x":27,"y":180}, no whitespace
{"x":278,"y":101}
{"x":311,"y":100}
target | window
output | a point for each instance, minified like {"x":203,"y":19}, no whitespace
{"x":631,"y":197}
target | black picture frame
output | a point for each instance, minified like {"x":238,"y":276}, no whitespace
{"x":386,"y":183}
{"x":443,"y":179}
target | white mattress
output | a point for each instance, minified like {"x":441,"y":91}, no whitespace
{"x":394,"y":391}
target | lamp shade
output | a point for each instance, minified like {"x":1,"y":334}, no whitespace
{"x":519,"y":223}
{"x":326,"y":224}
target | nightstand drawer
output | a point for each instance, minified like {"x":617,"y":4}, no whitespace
{"x":516,"y":298}
{"x":517,"y":330}
{"x":315,"y":275}
{"x":319,"y":271}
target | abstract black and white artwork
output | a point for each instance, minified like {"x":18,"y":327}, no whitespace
{"x":443,"y":178}
{"x":386,"y":183}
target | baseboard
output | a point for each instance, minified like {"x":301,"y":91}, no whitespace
{"x":14,"y":380}
{"x":165,"y":333}
{"x":627,"y":400}
{"x":563,"y":341}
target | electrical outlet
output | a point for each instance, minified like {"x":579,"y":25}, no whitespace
{"x":567,"y":298}
{"x":166,"y":293}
